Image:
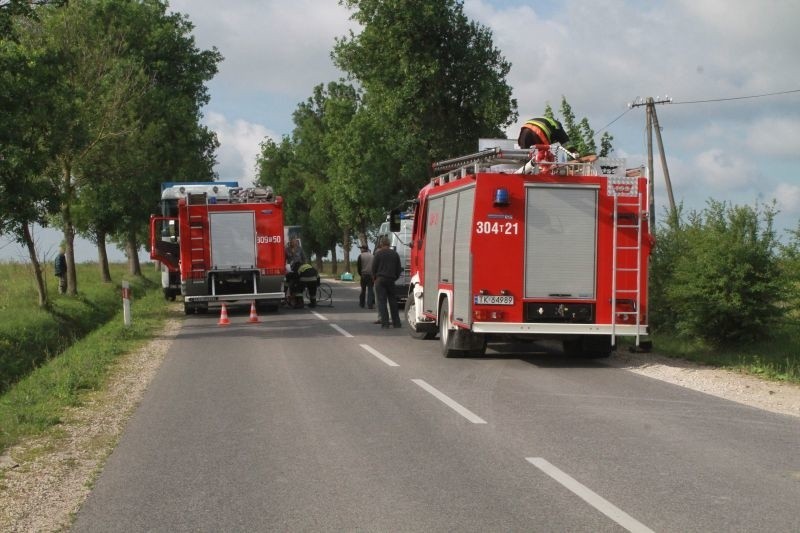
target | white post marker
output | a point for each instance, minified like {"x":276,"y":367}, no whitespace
{"x":126,"y":302}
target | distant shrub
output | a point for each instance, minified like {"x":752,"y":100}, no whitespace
{"x":790,"y":270}
{"x":716,"y":276}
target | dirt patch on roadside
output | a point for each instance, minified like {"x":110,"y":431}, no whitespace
{"x":44,"y":481}
{"x":774,"y":396}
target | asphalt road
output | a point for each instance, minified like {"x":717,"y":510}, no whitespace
{"x":321,"y":421}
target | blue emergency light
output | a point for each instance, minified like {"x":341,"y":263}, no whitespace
{"x":501,"y":196}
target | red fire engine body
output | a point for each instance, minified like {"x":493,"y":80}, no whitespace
{"x":554,"y":250}
{"x":227,"y":249}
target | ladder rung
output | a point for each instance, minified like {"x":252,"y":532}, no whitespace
{"x":627,"y":270}
{"x":627,"y":290}
{"x":627,"y":247}
{"x":626,"y":312}
{"x":628,"y":226}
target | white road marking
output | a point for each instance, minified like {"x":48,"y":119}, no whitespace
{"x":452,"y":404}
{"x":589,"y":496}
{"x":378,"y":354}
{"x":340,"y":330}
{"x":321,"y":317}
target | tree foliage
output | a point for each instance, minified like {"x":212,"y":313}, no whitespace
{"x":105,"y":98}
{"x":428,"y":83}
{"x":580,"y":132}
{"x":716,"y":276}
{"x":433,"y":84}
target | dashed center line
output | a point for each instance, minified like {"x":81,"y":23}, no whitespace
{"x":589,"y":496}
{"x":378,"y":354}
{"x":452,"y":404}
{"x":340,"y":330}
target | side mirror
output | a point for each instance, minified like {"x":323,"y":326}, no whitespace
{"x":394,"y":220}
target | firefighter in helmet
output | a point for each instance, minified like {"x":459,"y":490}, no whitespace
{"x":542,"y":130}
{"x":303,"y":276}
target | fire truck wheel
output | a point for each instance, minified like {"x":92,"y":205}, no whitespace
{"x":446,"y":331}
{"x":411,"y":321}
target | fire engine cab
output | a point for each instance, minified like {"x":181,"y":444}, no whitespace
{"x":523,"y":244}
{"x":226,"y":243}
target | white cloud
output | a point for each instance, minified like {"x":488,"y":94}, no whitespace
{"x":239,"y":146}
{"x":725,"y":171}
{"x":776,"y":136}
{"x":273,"y":46}
{"x":788,"y":198}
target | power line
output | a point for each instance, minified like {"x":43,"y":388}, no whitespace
{"x":738,"y":97}
{"x":613,"y":121}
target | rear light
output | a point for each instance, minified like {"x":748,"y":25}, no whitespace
{"x":484,"y":315}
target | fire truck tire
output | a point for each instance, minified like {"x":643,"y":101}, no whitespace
{"x":413,"y":327}
{"x":188,"y":309}
{"x":447,"y":333}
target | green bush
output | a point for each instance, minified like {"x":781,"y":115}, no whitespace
{"x":790,"y":269}
{"x":716,"y":276}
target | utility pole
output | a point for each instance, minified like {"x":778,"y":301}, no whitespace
{"x":652,"y":124}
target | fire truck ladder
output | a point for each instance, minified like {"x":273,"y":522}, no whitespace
{"x":627,"y":217}
{"x":197,"y":237}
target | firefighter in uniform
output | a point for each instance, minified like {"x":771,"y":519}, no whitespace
{"x":542,"y":130}
{"x":308,"y":278}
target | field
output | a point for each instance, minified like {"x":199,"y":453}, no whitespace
{"x":48,"y":358}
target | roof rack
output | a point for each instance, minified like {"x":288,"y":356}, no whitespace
{"x":485,"y":159}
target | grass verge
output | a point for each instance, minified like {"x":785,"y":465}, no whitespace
{"x":36,"y":402}
{"x":777,"y":358}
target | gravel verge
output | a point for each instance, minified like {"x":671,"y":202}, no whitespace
{"x":44,"y":481}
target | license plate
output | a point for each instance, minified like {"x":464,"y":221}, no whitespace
{"x":486,"y":299}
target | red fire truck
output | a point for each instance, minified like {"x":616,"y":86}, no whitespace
{"x":227,"y":247}
{"x":522,"y":244}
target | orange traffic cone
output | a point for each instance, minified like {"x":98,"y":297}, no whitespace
{"x":223,"y":316}
{"x":253,"y":316}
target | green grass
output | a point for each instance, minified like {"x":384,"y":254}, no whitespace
{"x":30,"y":336}
{"x":56,"y":356}
{"x":777,"y":358}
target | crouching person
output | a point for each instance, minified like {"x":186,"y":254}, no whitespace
{"x":308,"y":277}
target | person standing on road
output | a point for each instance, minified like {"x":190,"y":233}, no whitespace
{"x":60,"y":268}
{"x":294,"y":252}
{"x":364,"y":265}
{"x":386,"y":268}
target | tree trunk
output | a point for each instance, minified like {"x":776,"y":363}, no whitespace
{"x":346,"y":249}
{"x":37,"y":267}
{"x":69,"y":229}
{"x":132,"y":249}
{"x":319,"y":263}
{"x":102,"y":257}
{"x":334,"y":265}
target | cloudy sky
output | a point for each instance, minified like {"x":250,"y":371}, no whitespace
{"x":600,"y":54}
{"x":714,"y":58}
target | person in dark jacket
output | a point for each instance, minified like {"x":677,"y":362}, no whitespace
{"x":364,"y":265}
{"x":386,"y":268}
{"x":60,"y":268}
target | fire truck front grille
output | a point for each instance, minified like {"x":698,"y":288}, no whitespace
{"x":578,"y":313}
